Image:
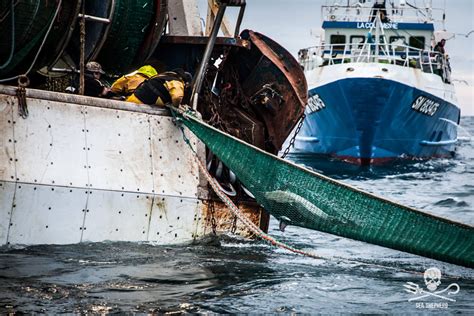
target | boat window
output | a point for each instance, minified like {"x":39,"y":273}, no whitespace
{"x":398,"y":43}
{"x":338,"y":39}
{"x":357,"y":41}
{"x":399,"y":39}
{"x":417,"y":42}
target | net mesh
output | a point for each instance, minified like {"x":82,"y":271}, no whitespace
{"x":128,"y":29}
{"x":307,"y":199}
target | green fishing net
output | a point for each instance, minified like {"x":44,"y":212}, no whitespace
{"x":305,"y":198}
{"x":129,"y":27}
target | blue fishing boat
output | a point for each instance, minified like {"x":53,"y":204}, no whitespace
{"x":379,"y":85}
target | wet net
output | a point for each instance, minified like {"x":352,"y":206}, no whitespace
{"x":305,"y":198}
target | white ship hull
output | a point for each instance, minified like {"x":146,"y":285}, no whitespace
{"x":82,"y":169}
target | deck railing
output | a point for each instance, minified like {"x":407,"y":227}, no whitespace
{"x":399,"y":14}
{"x":395,"y":54}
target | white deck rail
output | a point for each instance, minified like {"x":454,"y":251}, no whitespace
{"x":401,"y":13}
{"x":395,"y":54}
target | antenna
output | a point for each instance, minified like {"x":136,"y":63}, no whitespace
{"x":444,"y":16}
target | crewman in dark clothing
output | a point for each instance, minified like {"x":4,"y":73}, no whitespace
{"x":93,"y":87}
{"x":442,"y":66}
{"x":379,"y":8}
{"x":167,"y":87}
{"x":440,"y":46}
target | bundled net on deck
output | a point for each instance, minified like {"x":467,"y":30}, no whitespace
{"x":305,"y":198}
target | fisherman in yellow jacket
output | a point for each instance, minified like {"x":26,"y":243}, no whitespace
{"x":167,"y":87}
{"x":126,"y":85}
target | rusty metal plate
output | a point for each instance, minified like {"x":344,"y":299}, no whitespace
{"x":118,"y":150}
{"x":227,"y":222}
{"x":46,"y":214}
{"x":175,"y":171}
{"x":269,"y":63}
{"x":118,"y":216}
{"x":7,"y":193}
{"x":50,"y":144}
{"x":7,"y":152}
{"x":174,"y":220}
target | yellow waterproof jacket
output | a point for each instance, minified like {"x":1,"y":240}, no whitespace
{"x":159,"y":90}
{"x":176,"y":91}
{"x":127,"y":84}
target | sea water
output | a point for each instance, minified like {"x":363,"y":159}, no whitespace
{"x":232,"y":275}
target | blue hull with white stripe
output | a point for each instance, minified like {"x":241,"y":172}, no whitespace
{"x":371,"y":120}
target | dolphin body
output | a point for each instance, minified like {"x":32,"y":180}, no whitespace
{"x":297,"y":203}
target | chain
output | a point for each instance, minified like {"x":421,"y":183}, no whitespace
{"x":292,"y":140}
{"x":185,"y":112}
{"x":245,"y":220}
{"x":230,"y":204}
{"x":233,"y":229}
{"x":212,"y":213}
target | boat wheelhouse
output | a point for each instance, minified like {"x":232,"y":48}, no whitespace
{"x":377,"y":88}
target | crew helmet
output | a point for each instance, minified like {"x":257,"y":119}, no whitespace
{"x":148,"y":71}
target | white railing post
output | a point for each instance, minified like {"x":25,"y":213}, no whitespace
{"x":430,"y":63}
{"x":331,"y":62}
{"x":377,"y":35}
{"x":344,"y":54}
{"x":406,"y":56}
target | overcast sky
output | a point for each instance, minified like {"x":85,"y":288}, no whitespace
{"x":289,"y":22}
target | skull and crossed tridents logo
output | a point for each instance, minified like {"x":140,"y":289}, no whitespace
{"x":432,"y":278}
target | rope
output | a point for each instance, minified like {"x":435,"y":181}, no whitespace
{"x":233,"y":208}
{"x":185,"y":112}
{"x":244,"y":219}
{"x":41,"y":46}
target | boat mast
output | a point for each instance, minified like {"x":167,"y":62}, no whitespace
{"x":377,"y":35}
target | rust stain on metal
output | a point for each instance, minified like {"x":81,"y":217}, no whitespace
{"x":289,"y":66}
{"x":283,"y":73}
{"x":161,"y":205}
{"x":150,"y":213}
{"x":226,"y":222}
{"x":257,"y":95}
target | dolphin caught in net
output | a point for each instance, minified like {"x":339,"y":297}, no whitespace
{"x":308,"y":199}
